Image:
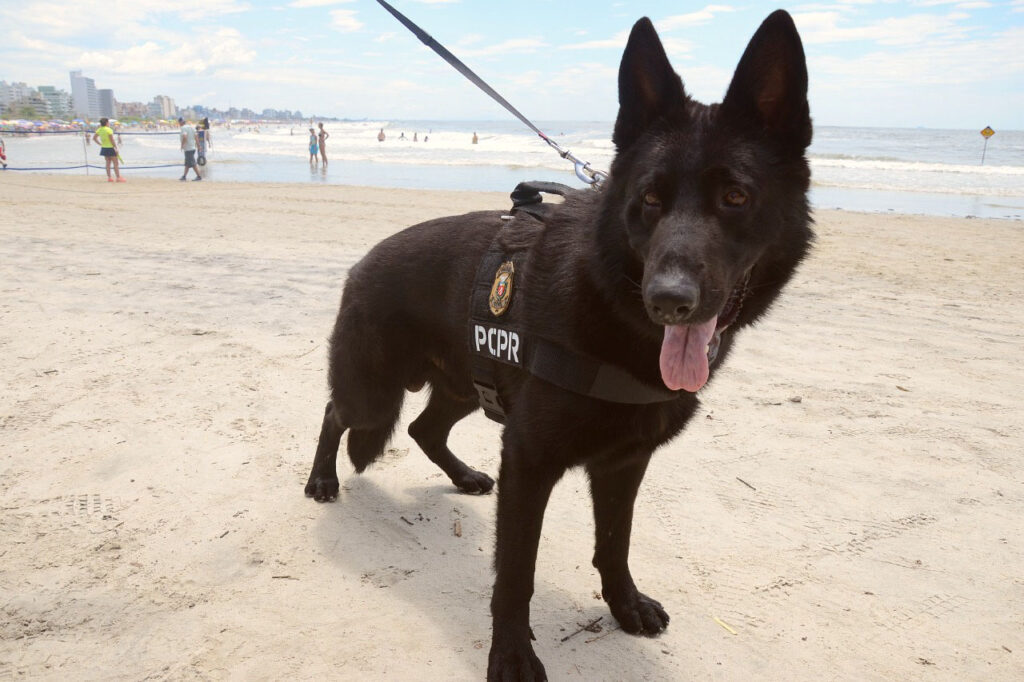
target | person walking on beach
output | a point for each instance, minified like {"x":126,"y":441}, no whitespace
{"x":475,"y":138}
{"x":314,"y":147}
{"x":322,"y":139}
{"x":204,"y":141}
{"x":3,"y":153}
{"x":104,"y":137}
{"x":188,"y":145}
{"x":380,"y":136}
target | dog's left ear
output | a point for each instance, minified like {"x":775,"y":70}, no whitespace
{"x":769,"y":88}
{"x":648,"y":87}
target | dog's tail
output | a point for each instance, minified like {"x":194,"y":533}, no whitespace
{"x":366,"y":445}
{"x":370,"y":412}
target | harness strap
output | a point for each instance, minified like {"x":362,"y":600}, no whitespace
{"x":584,"y":375}
{"x":502,"y":338}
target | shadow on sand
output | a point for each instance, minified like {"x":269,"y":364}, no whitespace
{"x":431,"y":547}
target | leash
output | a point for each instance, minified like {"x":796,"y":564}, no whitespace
{"x":584,"y":172}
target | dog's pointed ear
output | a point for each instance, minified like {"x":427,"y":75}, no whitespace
{"x":648,"y":87}
{"x":769,"y":88}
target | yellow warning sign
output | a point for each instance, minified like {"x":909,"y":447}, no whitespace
{"x":987,"y":132}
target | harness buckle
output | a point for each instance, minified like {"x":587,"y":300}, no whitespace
{"x":490,"y":401}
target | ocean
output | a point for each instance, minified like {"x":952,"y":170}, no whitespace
{"x":922,"y":171}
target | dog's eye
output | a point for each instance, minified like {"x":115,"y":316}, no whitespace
{"x":735,"y":198}
{"x":652,"y":199}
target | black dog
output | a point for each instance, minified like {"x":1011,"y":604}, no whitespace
{"x":702,"y":222}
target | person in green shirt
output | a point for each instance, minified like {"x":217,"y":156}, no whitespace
{"x":104,"y":137}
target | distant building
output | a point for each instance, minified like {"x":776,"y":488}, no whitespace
{"x":132,"y":110}
{"x":163,"y":107}
{"x":18,"y":100}
{"x":85,"y":99}
{"x":107,"y":106}
{"x":58,"y":102}
{"x":13,"y":93}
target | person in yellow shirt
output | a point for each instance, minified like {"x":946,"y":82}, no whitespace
{"x":104,"y":137}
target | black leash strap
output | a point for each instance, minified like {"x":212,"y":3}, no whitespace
{"x":583,"y":169}
{"x":457,"y":64}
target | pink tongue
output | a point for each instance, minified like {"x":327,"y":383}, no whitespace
{"x":684,"y":356}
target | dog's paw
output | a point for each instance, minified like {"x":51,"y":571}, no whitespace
{"x":474,"y":482}
{"x":638,"y":614}
{"x":512,"y":659}
{"x":323,"y":489}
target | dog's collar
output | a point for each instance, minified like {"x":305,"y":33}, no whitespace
{"x":731,"y":311}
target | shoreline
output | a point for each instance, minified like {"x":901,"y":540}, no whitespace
{"x":846,"y":501}
{"x":402,"y":177}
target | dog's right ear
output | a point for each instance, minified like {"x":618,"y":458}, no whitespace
{"x":648,"y":87}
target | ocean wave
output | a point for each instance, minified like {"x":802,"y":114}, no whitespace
{"x":850,"y":162}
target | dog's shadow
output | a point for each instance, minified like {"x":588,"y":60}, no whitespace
{"x":432,"y":548}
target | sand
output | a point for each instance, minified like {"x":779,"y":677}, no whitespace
{"x":847,"y":505}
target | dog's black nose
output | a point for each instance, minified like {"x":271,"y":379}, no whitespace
{"x":672,"y":302}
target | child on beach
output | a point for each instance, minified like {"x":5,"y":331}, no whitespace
{"x":314,"y":147}
{"x":104,"y":137}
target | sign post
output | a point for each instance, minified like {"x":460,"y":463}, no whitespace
{"x":986,"y":133}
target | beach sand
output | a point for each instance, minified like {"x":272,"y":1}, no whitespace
{"x":846,"y":505}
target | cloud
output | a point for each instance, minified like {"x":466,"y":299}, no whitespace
{"x":317,"y":3}
{"x":344,"y":20}
{"x":697,"y":18}
{"x":674,"y":47}
{"x":470,"y":39}
{"x":513,"y":45}
{"x":617,"y":41}
{"x":199,"y":54}
{"x":818,"y":28}
{"x":991,"y":60}
{"x":63,"y":19}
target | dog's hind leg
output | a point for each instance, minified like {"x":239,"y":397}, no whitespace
{"x":323,"y":485}
{"x":613,"y":487}
{"x":430,"y":431}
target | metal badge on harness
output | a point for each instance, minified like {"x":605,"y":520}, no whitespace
{"x":501,"y":290}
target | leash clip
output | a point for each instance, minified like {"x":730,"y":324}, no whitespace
{"x":592,"y":177}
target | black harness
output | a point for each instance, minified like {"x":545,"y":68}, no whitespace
{"x":497,"y":333}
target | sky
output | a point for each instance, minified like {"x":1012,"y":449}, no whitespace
{"x":923,"y":63}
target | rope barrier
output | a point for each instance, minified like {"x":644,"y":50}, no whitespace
{"x":87,"y":166}
{"x":4,"y":131}
{"x":90,"y":165}
{"x":9,"y":168}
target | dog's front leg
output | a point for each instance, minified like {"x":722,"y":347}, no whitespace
{"x":524,"y":486}
{"x":613,"y":487}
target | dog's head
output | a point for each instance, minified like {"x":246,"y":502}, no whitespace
{"x":711,"y":200}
